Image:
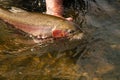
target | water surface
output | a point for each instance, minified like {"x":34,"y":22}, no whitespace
{"x":98,"y":57}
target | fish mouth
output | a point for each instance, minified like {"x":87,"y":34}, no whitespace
{"x":77,"y":36}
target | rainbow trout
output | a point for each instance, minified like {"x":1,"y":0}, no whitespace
{"x":42,"y":26}
{"x":49,"y":32}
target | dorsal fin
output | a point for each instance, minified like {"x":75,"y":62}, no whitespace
{"x":16,"y":10}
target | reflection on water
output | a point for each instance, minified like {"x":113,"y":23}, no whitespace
{"x":99,"y":58}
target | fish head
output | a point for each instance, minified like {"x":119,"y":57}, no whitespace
{"x":70,"y":30}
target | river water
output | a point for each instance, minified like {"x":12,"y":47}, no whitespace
{"x":99,"y":54}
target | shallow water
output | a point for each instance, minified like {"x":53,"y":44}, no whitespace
{"x":98,"y":59}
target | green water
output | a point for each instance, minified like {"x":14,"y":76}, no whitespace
{"x":98,"y":57}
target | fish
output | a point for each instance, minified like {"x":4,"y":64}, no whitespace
{"x":49,"y":33}
{"x":39,"y":25}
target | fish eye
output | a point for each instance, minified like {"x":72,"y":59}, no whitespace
{"x":71,"y":31}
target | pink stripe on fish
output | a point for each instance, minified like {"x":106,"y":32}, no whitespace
{"x":33,"y":29}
